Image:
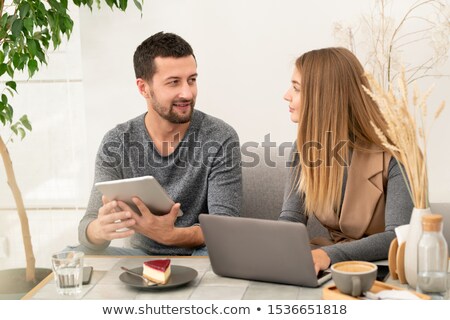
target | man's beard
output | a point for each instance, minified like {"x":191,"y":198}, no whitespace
{"x":170,"y":115}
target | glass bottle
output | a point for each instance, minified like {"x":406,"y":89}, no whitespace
{"x":432,"y":258}
{"x":412,"y":241}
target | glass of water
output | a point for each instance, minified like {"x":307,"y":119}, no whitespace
{"x":68,"y":271}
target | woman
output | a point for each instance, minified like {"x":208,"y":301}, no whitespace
{"x":342,"y":174}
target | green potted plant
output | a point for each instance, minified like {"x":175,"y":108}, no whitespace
{"x":28,"y":29}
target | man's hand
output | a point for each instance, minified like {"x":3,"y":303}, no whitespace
{"x":321,"y":260}
{"x":109,"y":222}
{"x":158,"y":228}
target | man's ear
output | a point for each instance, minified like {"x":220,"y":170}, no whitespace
{"x":143,"y":87}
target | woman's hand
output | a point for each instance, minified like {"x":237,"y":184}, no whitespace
{"x":321,"y":260}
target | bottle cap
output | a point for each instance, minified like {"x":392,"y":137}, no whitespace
{"x":431,"y":222}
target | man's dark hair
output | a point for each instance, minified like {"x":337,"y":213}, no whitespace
{"x":158,"y":45}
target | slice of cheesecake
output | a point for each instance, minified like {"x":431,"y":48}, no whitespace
{"x":157,"y":271}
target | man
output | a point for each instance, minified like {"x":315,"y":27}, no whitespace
{"x":194,"y":156}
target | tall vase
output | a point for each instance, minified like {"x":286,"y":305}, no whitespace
{"x":412,"y":240}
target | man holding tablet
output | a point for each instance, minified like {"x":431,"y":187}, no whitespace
{"x":195,"y":158}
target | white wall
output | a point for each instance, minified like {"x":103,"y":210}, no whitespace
{"x":51,"y":162}
{"x":245,"y":52}
{"x":51,"y":231}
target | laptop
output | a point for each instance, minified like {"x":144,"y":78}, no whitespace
{"x":262,"y":250}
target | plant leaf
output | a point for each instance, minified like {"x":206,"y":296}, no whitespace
{"x":3,"y":20}
{"x":32,"y":47}
{"x":41,"y":56}
{"x":2,"y":68}
{"x":24,"y":60}
{"x":24,"y":9}
{"x":2,"y":118}
{"x":67,"y":25}
{"x":22,"y":133}
{"x":16,"y":60}
{"x":123,"y":4}
{"x":14,"y":129}
{"x":55,"y":5}
{"x":11,"y":93}
{"x":4,"y":99}
{"x":9,"y":112}
{"x":28,"y":24}
{"x":110,"y":3}
{"x":10,"y":71}
{"x":64,"y":4}
{"x":17,"y":27}
{"x":12,"y":85}
{"x":138,"y":4}
{"x":25,"y":122}
{"x":3,"y":33}
{"x":32,"y":67}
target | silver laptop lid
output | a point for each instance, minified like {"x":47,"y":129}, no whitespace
{"x":256,"y":249}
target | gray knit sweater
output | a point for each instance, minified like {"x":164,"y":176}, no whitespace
{"x":203,"y":173}
{"x":374,"y":247}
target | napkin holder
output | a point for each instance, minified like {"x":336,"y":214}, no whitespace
{"x":396,"y":261}
{"x":396,"y":256}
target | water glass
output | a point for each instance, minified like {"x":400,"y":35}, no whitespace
{"x":68,"y":271}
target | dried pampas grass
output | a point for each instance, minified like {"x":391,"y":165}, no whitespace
{"x":406,"y":135}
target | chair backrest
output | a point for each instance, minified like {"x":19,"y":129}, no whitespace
{"x":264,"y":173}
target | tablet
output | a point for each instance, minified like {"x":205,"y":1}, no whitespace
{"x":146,"y":188}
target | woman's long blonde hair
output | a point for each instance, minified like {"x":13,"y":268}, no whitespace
{"x":335,"y":112}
